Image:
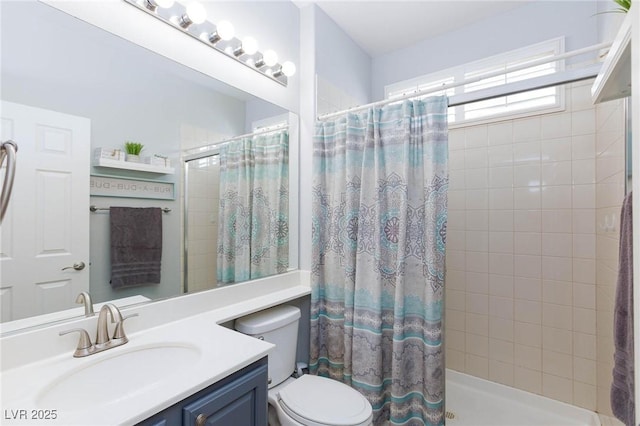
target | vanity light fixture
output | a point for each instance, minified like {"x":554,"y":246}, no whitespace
{"x":195,"y":14}
{"x":192,"y":20}
{"x":152,"y":5}
{"x":288,"y":69}
{"x":249,"y":46}
{"x":269,"y":58}
{"x":224,"y":31}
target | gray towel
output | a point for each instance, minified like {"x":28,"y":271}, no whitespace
{"x":622,"y":388}
{"x":136,"y":246}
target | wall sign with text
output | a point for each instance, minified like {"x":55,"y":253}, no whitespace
{"x":107,"y":186}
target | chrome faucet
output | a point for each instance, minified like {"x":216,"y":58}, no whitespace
{"x":85,"y":299}
{"x":103,"y":341}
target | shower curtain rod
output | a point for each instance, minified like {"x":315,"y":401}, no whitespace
{"x":214,"y":147}
{"x":536,"y":83}
{"x":498,"y":91}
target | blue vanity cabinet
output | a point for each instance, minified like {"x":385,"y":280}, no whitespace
{"x":240,"y":399}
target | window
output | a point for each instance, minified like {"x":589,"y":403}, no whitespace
{"x":547,"y":99}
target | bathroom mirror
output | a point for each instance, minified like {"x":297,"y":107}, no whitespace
{"x":59,"y":64}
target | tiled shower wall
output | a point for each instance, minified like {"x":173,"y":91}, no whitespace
{"x":610,"y":176}
{"x":203,"y":200}
{"x":202,"y":212}
{"x":521,"y":252}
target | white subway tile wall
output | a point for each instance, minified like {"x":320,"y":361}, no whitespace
{"x":203,"y":200}
{"x":609,"y":192}
{"x":530,"y":269}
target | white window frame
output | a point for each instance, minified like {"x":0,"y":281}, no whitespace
{"x":458,"y":115}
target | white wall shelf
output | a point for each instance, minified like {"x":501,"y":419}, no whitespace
{"x":614,"y":79}
{"x":128,"y":165}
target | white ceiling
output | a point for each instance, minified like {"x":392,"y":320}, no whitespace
{"x":383,"y":26}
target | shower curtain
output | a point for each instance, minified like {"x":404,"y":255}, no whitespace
{"x":378,"y":234}
{"x":253,"y":237}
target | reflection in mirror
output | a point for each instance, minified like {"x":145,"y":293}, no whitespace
{"x":237,"y":206}
{"x":69,"y":89}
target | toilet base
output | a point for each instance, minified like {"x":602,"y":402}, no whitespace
{"x":273,"y":417}
{"x":277,"y":416}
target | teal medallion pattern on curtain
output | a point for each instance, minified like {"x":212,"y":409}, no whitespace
{"x":378,"y":232}
{"x":253,"y":237}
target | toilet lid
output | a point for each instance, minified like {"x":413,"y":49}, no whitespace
{"x":324,"y":401}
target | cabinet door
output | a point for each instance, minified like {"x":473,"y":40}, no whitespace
{"x":162,"y":422}
{"x":240,"y":402}
{"x":237,"y":400}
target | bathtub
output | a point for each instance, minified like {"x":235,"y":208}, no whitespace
{"x":471,"y":401}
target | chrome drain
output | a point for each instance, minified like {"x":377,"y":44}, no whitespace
{"x":450,"y":415}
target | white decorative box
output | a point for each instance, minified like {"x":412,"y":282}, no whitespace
{"x":108,"y":153}
{"x":157,"y":160}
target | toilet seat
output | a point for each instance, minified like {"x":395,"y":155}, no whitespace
{"x":319,"y":401}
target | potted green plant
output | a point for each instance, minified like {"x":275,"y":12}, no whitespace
{"x":133,"y":151}
{"x":624,"y":5}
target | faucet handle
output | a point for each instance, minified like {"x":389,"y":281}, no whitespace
{"x":85,"y":347}
{"x":118,"y":333}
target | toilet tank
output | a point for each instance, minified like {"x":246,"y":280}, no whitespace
{"x":279,"y":326}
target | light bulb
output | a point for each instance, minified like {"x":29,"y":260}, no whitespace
{"x":288,"y":68}
{"x":165,"y":4}
{"x":249,"y":45}
{"x":196,"y":13}
{"x":225,"y":30}
{"x":270,"y":58}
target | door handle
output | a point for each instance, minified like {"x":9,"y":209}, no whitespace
{"x":77,"y":266}
{"x":8,"y":149}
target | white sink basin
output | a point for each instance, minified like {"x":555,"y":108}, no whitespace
{"x":118,"y":377}
{"x":161,"y":365}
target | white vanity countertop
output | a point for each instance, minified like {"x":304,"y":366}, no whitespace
{"x":217,"y":353}
{"x":212,"y":351}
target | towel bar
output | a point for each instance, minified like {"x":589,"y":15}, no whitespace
{"x":95,"y":209}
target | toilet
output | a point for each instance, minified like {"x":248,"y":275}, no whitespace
{"x":308,"y":400}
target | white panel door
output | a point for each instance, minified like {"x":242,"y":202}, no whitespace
{"x":46,"y":227}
